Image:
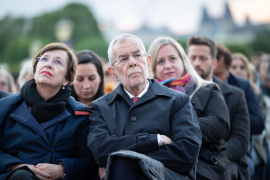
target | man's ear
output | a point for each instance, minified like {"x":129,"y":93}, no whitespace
{"x":112,"y":72}
{"x":214,"y":64}
{"x":149,"y":60}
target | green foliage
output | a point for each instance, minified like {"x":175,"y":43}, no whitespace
{"x":262,"y":42}
{"x":95,"y":44}
{"x":17,"y":34}
{"x":183,"y":44}
{"x":241,"y":48}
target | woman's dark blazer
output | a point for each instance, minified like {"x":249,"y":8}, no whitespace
{"x":119,"y":124}
{"x":24,"y":141}
{"x":214,"y":120}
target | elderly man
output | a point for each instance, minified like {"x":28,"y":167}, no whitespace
{"x":202,"y":55}
{"x":142,"y":116}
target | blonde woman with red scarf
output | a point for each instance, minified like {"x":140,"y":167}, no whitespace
{"x":171,"y":68}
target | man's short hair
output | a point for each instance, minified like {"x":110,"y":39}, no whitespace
{"x":122,"y":38}
{"x":223,"y":51}
{"x":199,"y":40}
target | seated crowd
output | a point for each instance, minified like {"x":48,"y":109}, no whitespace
{"x":200,"y":115}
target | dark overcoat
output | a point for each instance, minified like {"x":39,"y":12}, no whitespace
{"x":214,"y":120}
{"x":238,"y":138}
{"x":254,"y":109}
{"x":119,"y":124}
{"x":24,"y":141}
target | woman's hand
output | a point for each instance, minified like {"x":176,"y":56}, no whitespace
{"x":165,"y":140}
{"x":54,"y":171}
{"x":39,"y":173}
{"x":102,"y":172}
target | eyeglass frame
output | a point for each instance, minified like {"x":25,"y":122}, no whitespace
{"x":144,"y":54}
{"x":38,"y":59}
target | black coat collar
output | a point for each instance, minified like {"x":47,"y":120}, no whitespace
{"x":155,"y":89}
{"x":225,"y":89}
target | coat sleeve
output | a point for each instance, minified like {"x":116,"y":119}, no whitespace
{"x":237,"y":143}
{"x":82,"y":165}
{"x":102,"y":143}
{"x":214,"y":120}
{"x":181,"y":155}
{"x":6,"y":160}
{"x":255,"y":112}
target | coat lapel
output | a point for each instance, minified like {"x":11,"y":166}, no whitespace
{"x":23,"y":116}
{"x":60,"y":117}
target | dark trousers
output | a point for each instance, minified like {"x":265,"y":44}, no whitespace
{"x":22,"y":174}
{"x":125,"y":169}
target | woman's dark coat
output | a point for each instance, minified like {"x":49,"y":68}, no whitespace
{"x":118,"y":124}
{"x":24,"y":141}
{"x":238,"y":138}
{"x":254,"y":109}
{"x":214,"y":120}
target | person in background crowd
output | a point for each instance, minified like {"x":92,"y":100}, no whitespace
{"x":110,"y":82}
{"x":89,"y":83}
{"x":43,"y":129}
{"x":26,"y":73}
{"x":202,"y":56}
{"x":264,"y":63}
{"x":266,"y":85}
{"x":255,"y":114}
{"x":7,"y":82}
{"x":156,"y":124}
{"x":171,"y":68}
{"x":3,"y":93}
{"x":240,"y":68}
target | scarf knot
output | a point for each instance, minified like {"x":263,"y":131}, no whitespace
{"x":44,"y":110}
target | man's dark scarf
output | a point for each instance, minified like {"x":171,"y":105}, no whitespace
{"x":44,"y":110}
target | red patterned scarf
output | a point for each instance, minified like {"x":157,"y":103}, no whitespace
{"x":184,"y":84}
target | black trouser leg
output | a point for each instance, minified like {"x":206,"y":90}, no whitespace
{"x":22,"y":174}
{"x":125,"y":169}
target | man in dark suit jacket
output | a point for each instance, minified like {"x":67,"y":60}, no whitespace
{"x":201,"y":52}
{"x":143,"y":116}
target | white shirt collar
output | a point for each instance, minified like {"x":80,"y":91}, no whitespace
{"x":141,"y":94}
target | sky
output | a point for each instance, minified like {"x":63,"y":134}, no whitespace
{"x":181,"y":16}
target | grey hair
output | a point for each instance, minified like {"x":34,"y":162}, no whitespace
{"x":26,"y":69}
{"x":161,"y":41}
{"x":122,"y":38}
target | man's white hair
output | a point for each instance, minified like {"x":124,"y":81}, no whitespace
{"x":122,"y":38}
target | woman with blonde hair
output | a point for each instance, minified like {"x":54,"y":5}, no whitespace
{"x":240,"y":67}
{"x":172,"y":68}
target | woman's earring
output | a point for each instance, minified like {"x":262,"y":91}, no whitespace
{"x":63,"y":87}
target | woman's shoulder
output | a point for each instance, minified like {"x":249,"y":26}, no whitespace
{"x":77,"y":107}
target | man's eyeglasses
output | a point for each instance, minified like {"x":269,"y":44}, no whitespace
{"x":122,"y":60}
{"x":55,"y":62}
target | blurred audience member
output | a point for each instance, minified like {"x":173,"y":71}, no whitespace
{"x":256,"y":118}
{"x":89,"y":83}
{"x":110,"y":82}
{"x":240,"y":68}
{"x":266,"y":85}
{"x":202,"y":55}
{"x":3,"y":93}
{"x":7,"y":82}
{"x":264,"y":63}
{"x":26,"y":73}
{"x":171,"y":68}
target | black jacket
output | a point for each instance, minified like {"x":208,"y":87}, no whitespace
{"x":255,"y":112}
{"x":117,"y":123}
{"x":214,"y":122}
{"x":238,"y":138}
